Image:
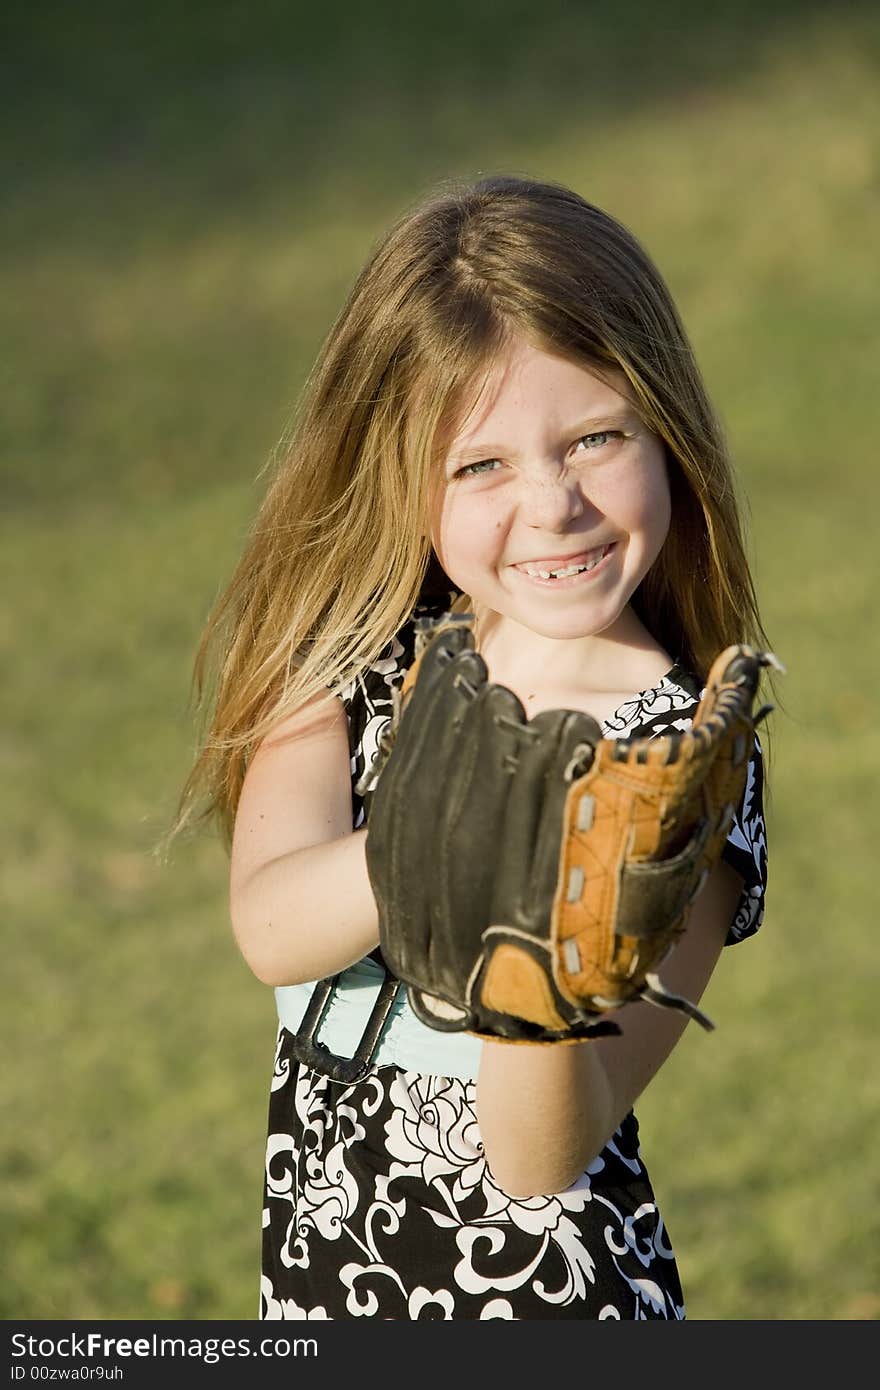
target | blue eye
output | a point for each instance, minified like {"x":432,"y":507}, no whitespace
{"x":602,"y":435}
{"x":473,"y":470}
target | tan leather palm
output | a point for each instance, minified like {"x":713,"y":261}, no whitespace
{"x":647,"y":821}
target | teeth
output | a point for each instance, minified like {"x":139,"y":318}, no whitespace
{"x":564,"y":573}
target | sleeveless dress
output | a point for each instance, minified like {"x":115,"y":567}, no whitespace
{"x":377,"y":1200}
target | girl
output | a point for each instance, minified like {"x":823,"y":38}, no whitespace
{"x":506,"y":418}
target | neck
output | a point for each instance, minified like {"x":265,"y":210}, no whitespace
{"x":624,"y":658}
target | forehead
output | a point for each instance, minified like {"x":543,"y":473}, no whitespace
{"x":532,"y":378}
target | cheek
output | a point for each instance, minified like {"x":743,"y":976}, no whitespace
{"x":641,"y":501}
{"x":466,"y":531}
{"x":659,"y":510}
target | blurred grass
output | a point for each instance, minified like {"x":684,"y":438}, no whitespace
{"x":189,"y":196}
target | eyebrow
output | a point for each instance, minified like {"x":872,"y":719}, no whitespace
{"x":476,"y":452}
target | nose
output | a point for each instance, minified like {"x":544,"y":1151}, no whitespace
{"x":550,"y":501}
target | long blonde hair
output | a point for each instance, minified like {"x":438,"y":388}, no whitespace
{"x":340,"y":548}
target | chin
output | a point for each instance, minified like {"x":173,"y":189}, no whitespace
{"x":562,"y":626}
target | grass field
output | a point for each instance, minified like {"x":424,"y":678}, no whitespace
{"x":189,"y":199}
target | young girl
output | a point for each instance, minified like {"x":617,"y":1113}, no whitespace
{"x":505,"y":419}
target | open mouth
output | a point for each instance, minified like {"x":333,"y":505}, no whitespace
{"x":576,"y":571}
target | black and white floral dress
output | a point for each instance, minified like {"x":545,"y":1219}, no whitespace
{"x":378,"y":1201}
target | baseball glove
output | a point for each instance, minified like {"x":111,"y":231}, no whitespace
{"x":531,"y":875}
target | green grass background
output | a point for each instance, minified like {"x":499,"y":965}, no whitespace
{"x":189,"y":194}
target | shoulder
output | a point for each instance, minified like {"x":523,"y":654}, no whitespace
{"x":322,"y":714}
{"x":368,"y":698}
{"x":377,"y":680}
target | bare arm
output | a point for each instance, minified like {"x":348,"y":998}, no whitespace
{"x":546,"y":1110}
{"x":299,"y":896}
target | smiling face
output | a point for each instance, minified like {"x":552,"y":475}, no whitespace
{"x":555,"y":500}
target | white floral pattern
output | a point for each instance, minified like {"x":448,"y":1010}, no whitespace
{"x":379,"y":1201}
{"x":389,"y":1172}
